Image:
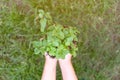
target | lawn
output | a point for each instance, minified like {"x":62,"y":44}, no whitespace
{"x":98,"y":21}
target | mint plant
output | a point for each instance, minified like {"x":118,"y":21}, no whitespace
{"x":57,"y":40}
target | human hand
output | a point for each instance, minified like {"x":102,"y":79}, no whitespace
{"x":67,"y":59}
{"x":49,"y":72}
{"x":67,"y":69}
{"x":49,"y":59}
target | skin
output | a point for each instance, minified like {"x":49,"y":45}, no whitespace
{"x":67,"y":69}
{"x":49,"y":72}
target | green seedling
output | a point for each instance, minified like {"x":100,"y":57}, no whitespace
{"x":57,"y":40}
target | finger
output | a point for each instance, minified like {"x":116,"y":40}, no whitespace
{"x":46,"y":54}
{"x":68,"y":56}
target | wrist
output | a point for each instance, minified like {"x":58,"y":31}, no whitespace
{"x":64,"y":63}
{"x":51,"y":62}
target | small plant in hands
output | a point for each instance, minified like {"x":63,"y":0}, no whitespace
{"x":57,"y":40}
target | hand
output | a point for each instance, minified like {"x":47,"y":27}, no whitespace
{"x":67,"y":69}
{"x":49,"y":72}
{"x":67,"y":59}
{"x":50,"y":59}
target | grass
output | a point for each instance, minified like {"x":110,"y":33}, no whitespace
{"x":99,"y":46}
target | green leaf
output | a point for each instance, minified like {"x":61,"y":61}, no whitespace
{"x":62,"y":53}
{"x":73,"y":53}
{"x":43,"y":23}
{"x":68,"y":41}
{"x":47,"y":15}
{"x":65,"y":51}
{"x":37,"y":44}
{"x":48,"y":49}
{"x":56,"y":43}
{"x":44,"y":43}
{"x":58,"y":39}
{"x":49,"y":18}
{"x":43,"y":49}
{"x":52,"y":51}
{"x":36,"y":51}
{"x":65,"y":32}
{"x":60,"y":35}
{"x":61,"y":47}
{"x":41,"y":13}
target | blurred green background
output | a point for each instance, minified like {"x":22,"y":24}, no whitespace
{"x":98,"y":21}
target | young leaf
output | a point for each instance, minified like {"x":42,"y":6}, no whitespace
{"x":41,"y":13}
{"x":37,"y":44}
{"x":58,"y":40}
{"x":36,"y":51}
{"x":60,"y":35}
{"x":47,"y":15}
{"x":68,"y":41}
{"x":56,"y":43}
{"x":43,"y":23}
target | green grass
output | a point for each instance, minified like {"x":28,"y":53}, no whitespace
{"x":99,"y":46}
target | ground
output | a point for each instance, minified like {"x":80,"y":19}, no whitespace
{"x":98,"y":21}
